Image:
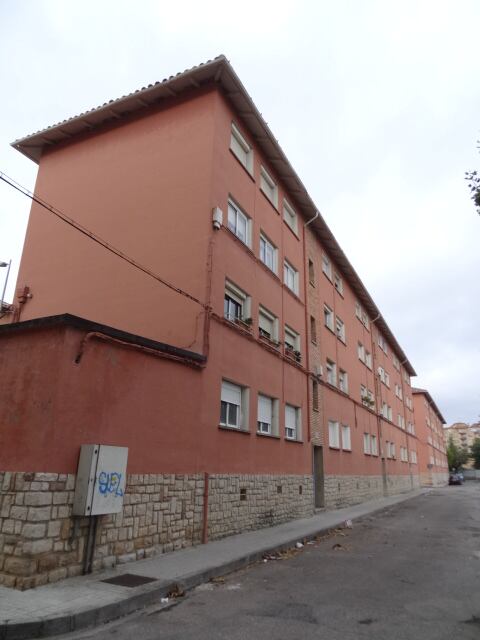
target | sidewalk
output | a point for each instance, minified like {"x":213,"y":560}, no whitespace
{"x":85,"y":601}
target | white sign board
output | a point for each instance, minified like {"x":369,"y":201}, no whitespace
{"x":101,"y":480}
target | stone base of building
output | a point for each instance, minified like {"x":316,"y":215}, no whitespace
{"x":429,"y":479}
{"x":402,"y":484}
{"x":343,"y":491}
{"x":41,"y":542}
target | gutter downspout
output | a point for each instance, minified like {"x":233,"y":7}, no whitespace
{"x":378,"y":394}
{"x":307,"y":349}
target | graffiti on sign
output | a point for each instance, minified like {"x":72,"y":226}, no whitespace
{"x":110,"y":482}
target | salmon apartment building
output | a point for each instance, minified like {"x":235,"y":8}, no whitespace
{"x":180,"y":295}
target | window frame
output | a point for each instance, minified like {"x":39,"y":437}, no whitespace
{"x":327,"y":266}
{"x":331,"y":367}
{"x":268,"y":245}
{"x":268,"y":186}
{"x":239,"y":297}
{"x":334,"y":427}
{"x":344,"y":429}
{"x":298,"y":423}
{"x":272,"y":429}
{"x":237,"y":135}
{"x":229,"y":387}
{"x":232,"y":205}
{"x":270,"y":317}
{"x":287,"y":268}
{"x":328,"y":318}
{"x":290,"y":216}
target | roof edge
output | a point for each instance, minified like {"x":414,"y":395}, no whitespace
{"x":417,"y":391}
{"x":69,"y":320}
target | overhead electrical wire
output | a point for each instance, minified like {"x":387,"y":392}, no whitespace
{"x":93,"y":236}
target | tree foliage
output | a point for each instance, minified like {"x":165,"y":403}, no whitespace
{"x":473,"y":181}
{"x":456,"y":456}
{"x":475,"y":453}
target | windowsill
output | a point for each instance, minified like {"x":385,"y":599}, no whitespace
{"x":268,"y":435}
{"x":225,"y":427}
{"x":295,"y":233}
{"x":314,"y":342}
{"x":331,"y":330}
{"x":243,"y":166}
{"x":316,"y":409}
{"x":239,"y":240}
{"x":347,"y":450}
{"x":330,"y":446}
{"x":267,"y":268}
{"x":270,"y":341}
{"x":293,"y":441}
{"x":272,"y":204}
{"x":294,"y":295}
{"x":327,"y":277}
{"x":344,"y":342}
{"x":339,"y":292}
{"x":312,"y":283}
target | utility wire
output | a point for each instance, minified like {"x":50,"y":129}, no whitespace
{"x":62,"y":216}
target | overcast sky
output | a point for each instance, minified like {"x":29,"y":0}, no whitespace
{"x":376,"y":104}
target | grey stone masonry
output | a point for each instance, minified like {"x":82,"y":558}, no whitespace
{"x":343,"y":491}
{"x":242,"y":502}
{"x":40,"y":540}
{"x":434,"y":479}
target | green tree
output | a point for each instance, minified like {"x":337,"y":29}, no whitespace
{"x":473,"y":179}
{"x":475,"y":453}
{"x":456,"y":456}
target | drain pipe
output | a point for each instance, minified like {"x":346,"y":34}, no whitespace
{"x":206,"y":477}
{"x":90,"y":546}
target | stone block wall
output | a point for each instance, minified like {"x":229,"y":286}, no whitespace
{"x":343,"y":491}
{"x":402,"y":484}
{"x":244,"y":502}
{"x":431,"y":479}
{"x":40,"y":540}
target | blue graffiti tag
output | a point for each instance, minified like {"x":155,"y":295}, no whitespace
{"x":110,"y":483}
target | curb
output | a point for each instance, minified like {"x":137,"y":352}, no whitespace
{"x":147,"y":595}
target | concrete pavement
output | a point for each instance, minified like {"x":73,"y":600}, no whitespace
{"x":85,"y":601}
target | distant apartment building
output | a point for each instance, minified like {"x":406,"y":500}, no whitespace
{"x":180,"y":295}
{"x":433,"y":463}
{"x":462,"y":434}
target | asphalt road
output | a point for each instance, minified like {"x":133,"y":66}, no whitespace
{"x":411,"y":572}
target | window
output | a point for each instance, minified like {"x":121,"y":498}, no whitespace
{"x":368,"y":359}
{"x":398,"y":392}
{"x":268,"y":253}
{"x":367,"y":447}
{"x":406,"y":377}
{"x":311,"y":272}
{"x":241,"y":149}
{"x":333,"y":434}
{"x":268,"y":186}
{"x":384,"y":376}
{"x":382,"y":344}
{"x":267,"y":415}
{"x":290,"y":277}
{"x":290,"y":216}
{"x":328,"y":317}
{"x":340,"y":329}
{"x":233,"y":405}
{"x":411,"y":428}
{"x":401,"y":421}
{"x":413,"y":457}
{"x":373,"y":445}
{"x":361,"y":352}
{"x":390,"y":450}
{"x":267,"y":325}
{"x":389,"y":413}
{"x":396,"y":362}
{"x":331,"y":373}
{"x":387,"y":379}
{"x":371,"y":399}
{"x":386,"y":411}
{"x":326,"y":266}
{"x":238,"y":223}
{"x":292,"y":339}
{"x":343,"y":381}
{"x":315,"y":395}
{"x":236,"y":305}
{"x":362,"y":315}
{"x":403,"y":454}
{"x":313,"y":330}
{"x":338,"y":283}
{"x":346,"y":438}
{"x":292,"y":422}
